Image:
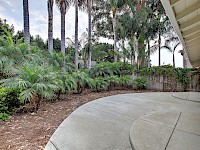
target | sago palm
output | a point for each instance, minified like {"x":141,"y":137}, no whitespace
{"x":35,"y":83}
{"x":100,"y":84}
{"x":112,"y":81}
{"x":82,"y":79}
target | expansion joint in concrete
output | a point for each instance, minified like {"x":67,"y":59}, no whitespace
{"x":173,"y":131}
{"x":54,"y":145}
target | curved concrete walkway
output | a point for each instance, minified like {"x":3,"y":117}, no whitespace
{"x":189,"y":96}
{"x":140,"y":121}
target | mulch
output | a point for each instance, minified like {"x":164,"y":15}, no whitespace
{"x":32,"y":130}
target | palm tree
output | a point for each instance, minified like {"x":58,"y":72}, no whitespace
{"x":89,"y":7}
{"x":171,"y":44}
{"x":81,"y":48}
{"x":26,"y":21}
{"x":115,"y":5}
{"x":163,"y":26}
{"x":50,"y":25}
{"x":76,"y":34}
{"x":63,"y":5}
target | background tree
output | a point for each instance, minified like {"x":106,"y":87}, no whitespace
{"x":57,"y":44}
{"x":3,"y":24}
{"x":102,"y":52}
{"x":171,"y":44}
{"x":63,"y":5}
{"x":163,"y":26}
{"x":18,"y":37}
{"x":26,"y":21}
{"x":50,"y":25}
{"x":115,"y":7}
{"x":39,"y":42}
{"x":106,"y":18}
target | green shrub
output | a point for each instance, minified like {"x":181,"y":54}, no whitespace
{"x":100,"y":84}
{"x":123,"y":68}
{"x":112,"y":81}
{"x":36,"y":82}
{"x":140,"y":83}
{"x":125,"y":81}
{"x":8,"y":100}
{"x":83,"y":80}
{"x":105,"y":69}
{"x":180,"y":75}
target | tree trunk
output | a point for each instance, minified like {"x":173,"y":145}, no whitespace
{"x":132,"y":45}
{"x":159,"y":47}
{"x":76,"y":34}
{"x":63,"y":33}
{"x":135,"y":48}
{"x":26,"y":21}
{"x":115,"y":39}
{"x":173,"y":60}
{"x":89,"y":33}
{"x":148,"y":44}
{"x":123,"y":47}
{"x":50,"y":25}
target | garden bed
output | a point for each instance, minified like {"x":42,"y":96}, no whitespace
{"x":32,"y":131}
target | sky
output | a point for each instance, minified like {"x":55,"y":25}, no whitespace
{"x":12,"y":11}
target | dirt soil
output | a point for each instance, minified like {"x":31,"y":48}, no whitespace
{"x":31,"y":131}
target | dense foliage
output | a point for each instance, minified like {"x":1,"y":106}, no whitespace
{"x":178,"y":75}
{"x":106,"y":69}
{"x":9,"y":99}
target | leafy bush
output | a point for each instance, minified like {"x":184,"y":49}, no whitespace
{"x":180,"y":75}
{"x":112,"y":81}
{"x":107,"y":69}
{"x":35,"y":83}
{"x":100,"y":84}
{"x":141,"y":83}
{"x":125,"y":81}
{"x":83,"y":80}
{"x":8,"y":100}
{"x":124,"y":68}
{"x":166,"y":71}
{"x":101,"y":70}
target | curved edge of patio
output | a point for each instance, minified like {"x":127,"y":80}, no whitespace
{"x":154,"y":129}
{"x":188,"y":96}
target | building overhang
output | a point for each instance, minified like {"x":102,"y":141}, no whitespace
{"x":185,"y":18}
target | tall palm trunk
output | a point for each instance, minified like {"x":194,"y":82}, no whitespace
{"x":89,"y":33}
{"x":124,"y":50}
{"x":173,"y":60}
{"x":76,"y":34}
{"x":133,"y":48}
{"x":159,"y":47}
{"x":62,"y":5}
{"x":26,"y":21}
{"x":63,"y":33}
{"x":115,"y":39}
{"x":50,"y":25}
{"x":148,"y":44}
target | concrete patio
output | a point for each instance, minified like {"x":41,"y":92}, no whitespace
{"x":140,"y":121}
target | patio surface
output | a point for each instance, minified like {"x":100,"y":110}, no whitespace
{"x":138,"y":121}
